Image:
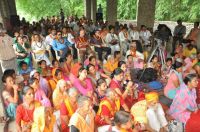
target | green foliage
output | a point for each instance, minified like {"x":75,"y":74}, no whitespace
{"x":170,"y":10}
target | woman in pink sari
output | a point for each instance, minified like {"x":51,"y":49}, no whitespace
{"x":82,"y":83}
{"x":184,"y":102}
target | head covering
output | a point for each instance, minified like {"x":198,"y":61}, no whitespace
{"x":39,"y":121}
{"x":151,"y":96}
{"x":33,"y":72}
{"x":75,"y":69}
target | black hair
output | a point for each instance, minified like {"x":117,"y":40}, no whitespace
{"x":189,"y":78}
{"x":117,"y":71}
{"x":168,"y":59}
{"x":10,"y":72}
{"x":92,"y":57}
{"x":57,"y":71}
{"x":88,"y":67}
{"x":40,"y":62}
{"x":68,"y":54}
{"x":128,"y":56}
{"x":22,"y":63}
{"x":54,"y":61}
{"x":120,"y":63}
{"x":154,"y":56}
{"x":32,"y":80}
{"x":177,"y":65}
{"x":100,"y":81}
{"x":25,"y":90}
{"x":110,"y":27}
{"x":81,"y":69}
{"x":5,"y":76}
{"x":116,"y":53}
{"x":197,"y":23}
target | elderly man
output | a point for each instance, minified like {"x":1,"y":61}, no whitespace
{"x":7,"y":53}
{"x":83,"y":119}
{"x":68,"y":107}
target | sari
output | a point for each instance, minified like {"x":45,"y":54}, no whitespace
{"x":106,"y":108}
{"x":39,"y":121}
{"x":83,"y":125}
{"x":184,"y":100}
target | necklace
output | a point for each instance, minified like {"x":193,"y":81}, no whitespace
{"x":39,"y":46}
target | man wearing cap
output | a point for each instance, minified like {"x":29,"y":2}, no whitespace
{"x":7,"y":54}
{"x":155,"y":114}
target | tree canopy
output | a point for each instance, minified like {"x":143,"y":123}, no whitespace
{"x":170,"y":10}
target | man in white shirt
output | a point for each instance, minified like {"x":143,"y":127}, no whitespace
{"x":112,"y":40}
{"x":7,"y":53}
{"x":145,"y":35}
{"x":49,"y":39}
{"x":124,"y":40}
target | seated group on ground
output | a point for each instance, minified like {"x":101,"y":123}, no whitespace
{"x":81,"y":76}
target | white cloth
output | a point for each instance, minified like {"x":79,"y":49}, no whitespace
{"x":38,"y":46}
{"x":106,"y":128}
{"x":145,"y":35}
{"x":156,"y":117}
{"x":109,"y":38}
{"x":134,"y":35}
{"x":138,"y":55}
{"x":49,"y":40}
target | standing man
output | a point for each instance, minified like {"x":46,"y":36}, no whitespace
{"x":179,"y":33}
{"x":7,"y":53}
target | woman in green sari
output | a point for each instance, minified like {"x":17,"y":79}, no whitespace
{"x":21,"y":50}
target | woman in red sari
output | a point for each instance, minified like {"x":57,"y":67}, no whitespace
{"x":24,"y":112}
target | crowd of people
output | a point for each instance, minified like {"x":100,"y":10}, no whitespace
{"x":76,"y":75}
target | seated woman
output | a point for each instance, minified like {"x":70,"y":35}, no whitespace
{"x":21,"y":51}
{"x":44,"y":70}
{"x":44,"y":84}
{"x":154,"y":64}
{"x":122,"y":92}
{"x":82,"y":83}
{"x":40,"y":49}
{"x":59,"y":94}
{"x":122,"y":65}
{"x":184,"y":103}
{"x":179,"y":50}
{"x":68,"y":107}
{"x":123,"y":122}
{"x":110,"y":65}
{"x":57,"y":75}
{"x":95,"y":75}
{"x":155,"y":114}
{"x":68,"y":64}
{"x":44,"y":120}
{"x":166,"y":68}
{"x":10,"y":95}
{"x":174,"y":81}
{"x":39,"y":93}
{"x":100,"y":90}
{"x":24,"y":112}
{"x":129,"y":62}
{"x":107,"y":108}
{"x":83,"y":119}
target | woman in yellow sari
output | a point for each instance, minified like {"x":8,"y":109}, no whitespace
{"x":44,"y":120}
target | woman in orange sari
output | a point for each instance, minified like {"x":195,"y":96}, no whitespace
{"x":57,"y":75}
{"x":24,"y":112}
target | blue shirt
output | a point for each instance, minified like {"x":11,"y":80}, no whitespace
{"x":57,"y":45}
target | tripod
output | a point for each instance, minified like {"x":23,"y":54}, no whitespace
{"x":159,"y":51}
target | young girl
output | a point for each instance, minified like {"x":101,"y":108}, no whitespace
{"x":43,"y":69}
{"x":10,"y":95}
